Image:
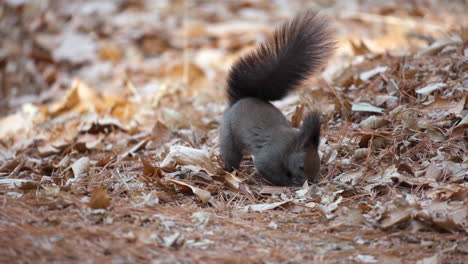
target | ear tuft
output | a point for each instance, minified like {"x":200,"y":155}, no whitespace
{"x":310,"y":130}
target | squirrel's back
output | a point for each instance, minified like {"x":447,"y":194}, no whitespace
{"x":295,"y":51}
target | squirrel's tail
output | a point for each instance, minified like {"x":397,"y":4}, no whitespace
{"x":295,"y":51}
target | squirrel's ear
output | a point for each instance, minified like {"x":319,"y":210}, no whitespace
{"x":309,"y":135}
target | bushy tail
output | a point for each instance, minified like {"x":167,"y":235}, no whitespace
{"x":296,"y":50}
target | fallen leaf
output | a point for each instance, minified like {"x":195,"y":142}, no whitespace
{"x":80,"y":168}
{"x":233,"y":181}
{"x":396,"y":215}
{"x":374,"y":122}
{"x":75,"y":48}
{"x":99,"y":199}
{"x":80,"y":98}
{"x":174,"y":241}
{"x":426,"y":90}
{"x":365,"y":107}
{"x":12,"y":183}
{"x":200,"y":193}
{"x":263,"y":207}
{"x":182,"y":155}
{"x":365,"y":76}
{"x":133,"y":150}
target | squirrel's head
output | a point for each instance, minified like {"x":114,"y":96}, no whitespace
{"x":297,"y":162}
{"x":303,"y":162}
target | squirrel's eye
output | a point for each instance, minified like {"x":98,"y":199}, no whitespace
{"x":301,"y":167}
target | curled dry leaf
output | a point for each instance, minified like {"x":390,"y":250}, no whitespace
{"x":351,"y":178}
{"x":110,"y":51}
{"x":174,"y":118}
{"x":50,"y":191}
{"x":389,"y":100}
{"x":200,"y":193}
{"x":91,"y":141}
{"x":428,"y":89}
{"x":365,"y":76}
{"x":264,"y":207}
{"x":11,"y":183}
{"x":365,"y":107}
{"x":201,"y":218}
{"x":374,"y":122}
{"x":359,"y":47}
{"x":450,"y":105}
{"x":99,"y":198}
{"x":410,"y":120}
{"x":47,"y":150}
{"x":449,"y":216}
{"x":360,"y":153}
{"x":233,"y":181}
{"x":75,"y":48}
{"x":366,"y":259}
{"x":80,"y":98}
{"x":458,"y":171}
{"x":161,"y":133}
{"x":133,"y":150}
{"x":267,"y":189}
{"x":105,"y":126}
{"x":174,"y":241}
{"x":189,"y":156}
{"x":438,"y":45}
{"x":396,"y":216}
{"x":12,"y":164}
{"x":80,"y":168}
{"x":150,"y":170}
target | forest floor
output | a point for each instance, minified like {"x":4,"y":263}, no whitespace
{"x":109,"y":123}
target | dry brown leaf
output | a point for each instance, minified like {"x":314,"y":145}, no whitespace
{"x":75,"y":47}
{"x":47,"y":150}
{"x":360,"y":153}
{"x":110,"y":51}
{"x":374,"y":122}
{"x":80,"y":168}
{"x":233,"y":181}
{"x":150,"y":170}
{"x":90,"y":140}
{"x":449,"y":216}
{"x":200,"y":193}
{"x":365,"y":107}
{"x":437,"y":46}
{"x":428,"y":89}
{"x":396,"y":216}
{"x":174,"y":118}
{"x":12,"y":183}
{"x":80,"y":98}
{"x":359,"y":47}
{"x":105,"y":126}
{"x":264,"y":207}
{"x":134,"y":149}
{"x":450,"y":105}
{"x":99,"y":198}
{"x":182,"y":155}
{"x":366,"y":76}
{"x":161,"y":133}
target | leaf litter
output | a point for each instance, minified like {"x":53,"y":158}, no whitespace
{"x":116,"y":158}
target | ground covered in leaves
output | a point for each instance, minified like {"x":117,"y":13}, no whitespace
{"x":109,"y":130}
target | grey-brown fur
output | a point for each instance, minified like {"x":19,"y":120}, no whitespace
{"x":283,"y":155}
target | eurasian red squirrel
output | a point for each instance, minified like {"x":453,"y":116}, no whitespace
{"x":283,"y":155}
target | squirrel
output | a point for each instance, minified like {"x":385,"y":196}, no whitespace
{"x":283,"y":155}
